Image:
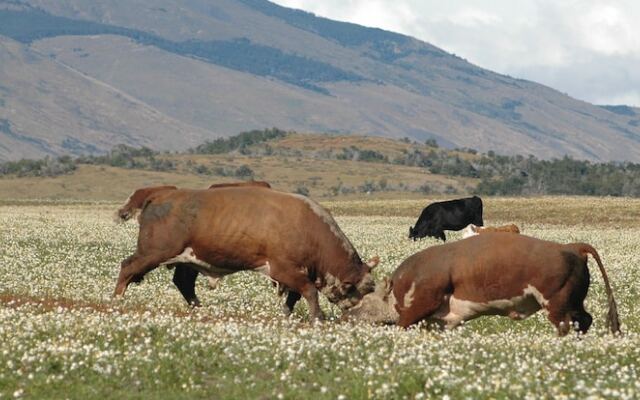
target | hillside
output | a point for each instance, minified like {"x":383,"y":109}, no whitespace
{"x":234,"y":65}
{"x":48,"y":108}
{"x":291,"y":163}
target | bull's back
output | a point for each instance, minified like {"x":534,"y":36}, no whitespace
{"x":260,"y":219}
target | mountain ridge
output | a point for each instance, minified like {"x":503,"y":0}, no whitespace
{"x":255,"y":64}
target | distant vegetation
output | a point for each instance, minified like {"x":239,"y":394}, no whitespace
{"x":45,"y":167}
{"x":240,"y":54}
{"x":497,"y":174}
{"x":239,"y":142}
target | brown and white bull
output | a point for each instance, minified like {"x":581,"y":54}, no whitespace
{"x":288,"y":237}
{"x":490,"y":274}
{"x":472,"y":230}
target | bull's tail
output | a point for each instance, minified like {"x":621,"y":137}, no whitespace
{"x":613,"y":322}
{"x":125,"y":213}
{"x":137,"y":201}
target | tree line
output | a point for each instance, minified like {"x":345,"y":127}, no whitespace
{"x":497,"y":174}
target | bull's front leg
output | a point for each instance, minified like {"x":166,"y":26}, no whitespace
{"x":298,"y":283}
{"x":310,"y":293}
{"x":135,"y":267}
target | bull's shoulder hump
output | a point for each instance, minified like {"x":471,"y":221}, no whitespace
{"x":326,"y":217}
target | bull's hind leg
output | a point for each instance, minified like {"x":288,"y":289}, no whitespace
{"x":184,"y":277}
{"x":297,"y":282}
{"x":566,"y":309}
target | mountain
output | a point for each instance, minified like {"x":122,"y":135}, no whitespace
{"x":208,"y":68}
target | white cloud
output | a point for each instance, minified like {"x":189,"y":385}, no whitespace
{"x":589,"y":49}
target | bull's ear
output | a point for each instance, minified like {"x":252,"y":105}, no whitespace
{"x":373,"y":262}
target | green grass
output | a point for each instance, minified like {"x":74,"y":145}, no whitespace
{"x":64,"y":337}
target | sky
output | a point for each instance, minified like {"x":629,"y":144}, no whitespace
{"x":589,"y":49}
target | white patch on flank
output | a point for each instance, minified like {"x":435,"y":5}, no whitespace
{"x":470,"y":230}
{"x":328,"y":219}
{"x":536,"y":293}
{"x":189,"y":257}
{"x":408,"y":296}
{"x":455,"y":311}
{"x":266,"y":271}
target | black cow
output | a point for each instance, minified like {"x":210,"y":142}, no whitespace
{"x":451,"y":215}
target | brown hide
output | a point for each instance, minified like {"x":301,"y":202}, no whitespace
{"x":135,"y":202}
{"x":479,"y":274}
{"x":288,"y":237}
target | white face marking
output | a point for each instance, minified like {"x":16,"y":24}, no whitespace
{"x":470,"y":230}
{"x":328,"y":219}
{"x":408,"y":296}
{"x":455,"y":311}
{"x":189,"y":257}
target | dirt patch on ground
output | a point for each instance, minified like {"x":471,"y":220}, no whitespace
{"x":51,"y":304}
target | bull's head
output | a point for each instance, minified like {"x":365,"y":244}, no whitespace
{"x":349,"y":291}
{"x":417,"y":232}
{"x":377,"y":307}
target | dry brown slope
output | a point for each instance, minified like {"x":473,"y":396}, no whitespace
{"x":49,"y":108}
{"x":90,"y":182}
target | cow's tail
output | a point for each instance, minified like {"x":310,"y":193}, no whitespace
{"x":613,"y":322}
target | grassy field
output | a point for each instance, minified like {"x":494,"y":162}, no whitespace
{"x":62,"y":336}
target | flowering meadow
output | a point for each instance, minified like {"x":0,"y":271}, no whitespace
{"x":63,"y":336}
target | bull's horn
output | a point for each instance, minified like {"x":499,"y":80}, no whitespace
{"x":373,"y":261}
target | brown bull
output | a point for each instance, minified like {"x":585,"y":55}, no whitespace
{"x":287,"y":237}
{"x":490,"y":274}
